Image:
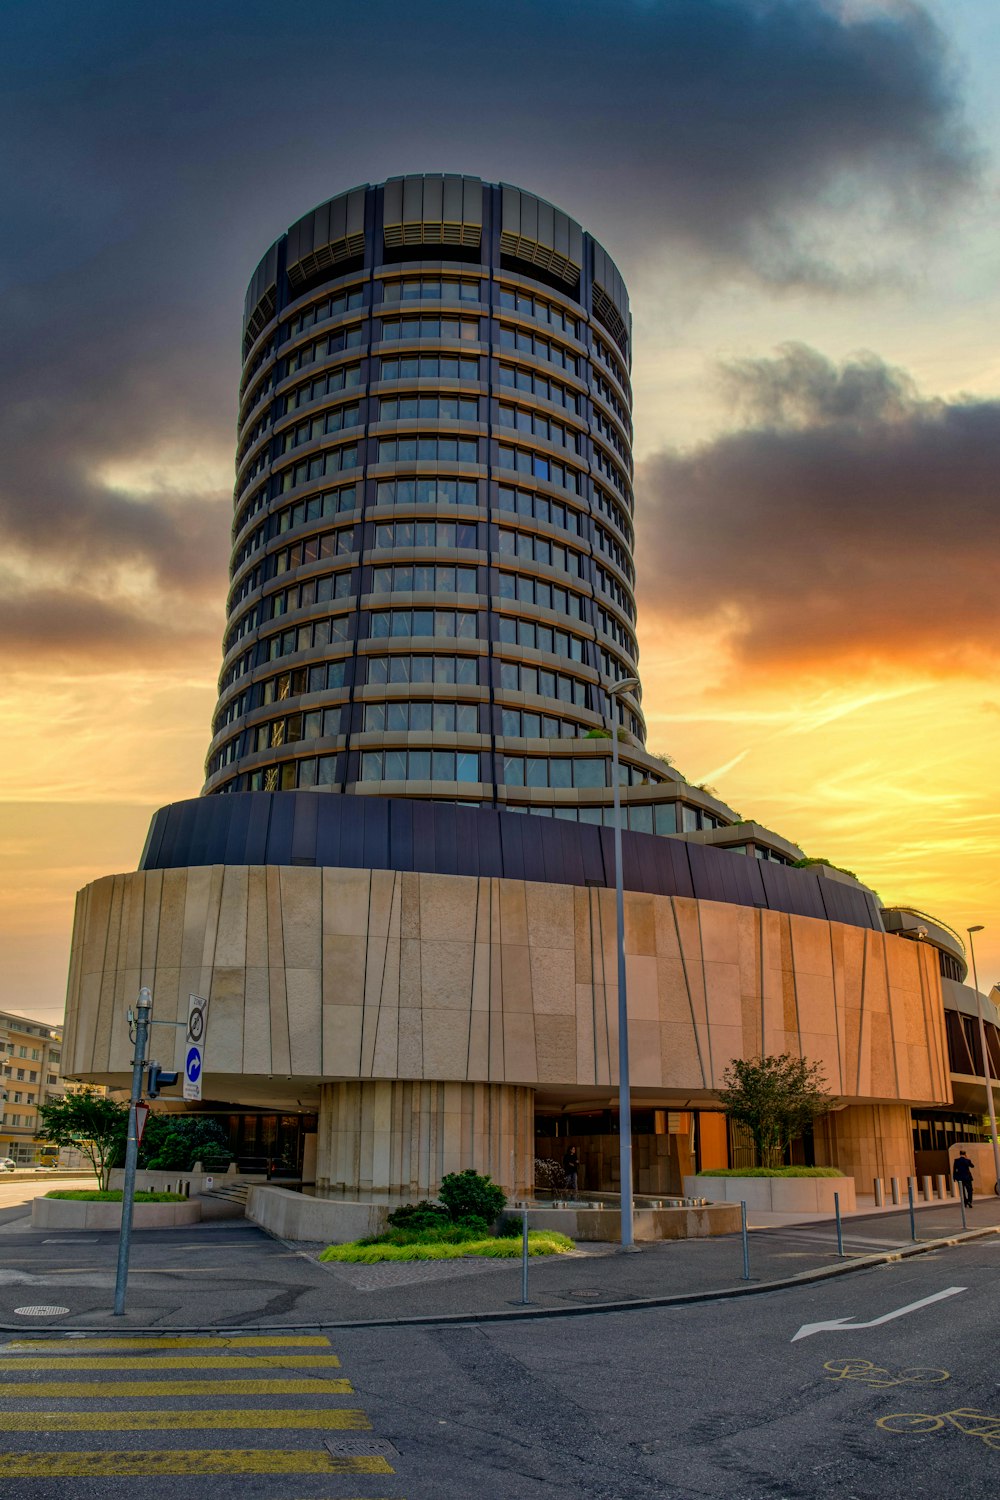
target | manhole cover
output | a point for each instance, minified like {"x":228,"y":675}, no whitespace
{"x":40,"y":1312}
{"x":346,"y":1447}
{"x":586,"y":1294}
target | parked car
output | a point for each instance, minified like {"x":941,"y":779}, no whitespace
{"x":8,"y":1164}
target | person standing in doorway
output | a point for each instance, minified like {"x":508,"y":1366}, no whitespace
{"x":962,"y":1173}
{"x":571,"y":1166}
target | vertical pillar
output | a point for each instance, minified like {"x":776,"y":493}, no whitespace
{"x":397,"y":1137}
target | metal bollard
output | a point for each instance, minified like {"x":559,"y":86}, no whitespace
{"x":746,"y":1243}
{"x":840,"y":1227}
{"x":894,"y":1185}
{"x":928,"y":1190}
{"x":524,"y":1256}
{"x":912,"y":1187}
{"x":942,"y":1186}
{"x":879,"y":1195}
{"x":909,"y":1194}
{"x":961,"y":1199}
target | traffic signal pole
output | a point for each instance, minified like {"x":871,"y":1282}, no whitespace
{"x":143,"y":1007}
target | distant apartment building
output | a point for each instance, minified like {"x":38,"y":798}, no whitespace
{"x":31,"y":1059}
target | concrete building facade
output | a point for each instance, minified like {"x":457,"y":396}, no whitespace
{"x":31,"y":1067}
{"x":431,"y":600}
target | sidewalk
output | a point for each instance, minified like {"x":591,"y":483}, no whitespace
{"x":231,"y":1274}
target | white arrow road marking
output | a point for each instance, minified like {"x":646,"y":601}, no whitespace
{"x":847,"y":1325}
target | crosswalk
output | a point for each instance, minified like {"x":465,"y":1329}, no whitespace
{"x":322,"y":1437}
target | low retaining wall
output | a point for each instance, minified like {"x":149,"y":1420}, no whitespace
{"x":193,"y":1182}
{"x":77,"y":1213}
{"x":781,"y":1195}
{"x":294,"y":1216}
{"x":604,"y":1224}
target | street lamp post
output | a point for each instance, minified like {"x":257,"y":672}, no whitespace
{"x":986,"y":1057}
{"x":626,"y":685}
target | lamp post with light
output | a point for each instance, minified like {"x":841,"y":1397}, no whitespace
{"x":986,"y":1057}
{"x":626,"y":685}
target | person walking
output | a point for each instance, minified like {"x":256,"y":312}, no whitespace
{"x":962,"y":1173}
{"x":571,"y":1166}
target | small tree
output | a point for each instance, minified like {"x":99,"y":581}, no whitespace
{"x":90,"y":1121}
{"x":776,"y":1098}
{"x":472,"y":1195}
{"x":173,"y":1143}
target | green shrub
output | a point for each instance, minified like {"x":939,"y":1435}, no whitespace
{"x":772,"y":1172}
{"x":112,"y":1195}
{"x":510,"y":1229}
{"x":422,"y":1215}
{"x":369,"y":1252}
{"x":471,"y":1195}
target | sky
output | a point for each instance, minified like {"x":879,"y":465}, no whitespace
{"x":802,"y":197}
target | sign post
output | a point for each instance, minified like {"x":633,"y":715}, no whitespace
{"x":143,"y":1007}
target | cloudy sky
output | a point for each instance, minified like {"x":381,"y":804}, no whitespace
{"x":802,"y":195}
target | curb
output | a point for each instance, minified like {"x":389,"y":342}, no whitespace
{"x":425,"y":1320}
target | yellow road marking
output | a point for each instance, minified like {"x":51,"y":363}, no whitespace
{"x":316,"y":1385}
{"x":169,"y":1362}
{"x":153,"y":1462}
{"x":180,"y":1421}
{"x":96,"y":1346}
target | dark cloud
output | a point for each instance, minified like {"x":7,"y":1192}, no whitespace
{"x":78,"y":630}
{"x":852,"y":525}
{"x":152,"y":153}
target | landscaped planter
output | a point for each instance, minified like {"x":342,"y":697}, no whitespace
{"x":79,"y":1213}
{"x":782,"y":1195}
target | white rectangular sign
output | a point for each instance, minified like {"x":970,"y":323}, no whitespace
{"x":194,"y":1046}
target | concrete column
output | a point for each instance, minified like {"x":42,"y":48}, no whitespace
{"x":872,"y":1140}
{"x":399,"y":1137}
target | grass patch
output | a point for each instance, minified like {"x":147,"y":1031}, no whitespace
{"x":772,"y":1172}
{"x":112,"y":1195}
{"x":418,"y":1245}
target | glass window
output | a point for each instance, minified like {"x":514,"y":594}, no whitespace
{"x":690,"y":821}
{"x":513,"y":770}
{"x":467,"y":766}
{"x":420,"y":765}
{"x":665,"y":818}
{"x":371,"y":765}
{"x":589,"y":773}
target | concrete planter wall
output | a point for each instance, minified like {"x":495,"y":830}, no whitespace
{"x":783,"y":1195}
{"x":76,"y":1213}
{"x":604,"y":1224}
{"x":294,"y":1216}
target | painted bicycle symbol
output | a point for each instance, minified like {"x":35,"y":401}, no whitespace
{"x":874,"y":1375}
{"x":968,"y":1419}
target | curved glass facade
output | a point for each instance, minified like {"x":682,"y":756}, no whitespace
{"x":432,"y":567}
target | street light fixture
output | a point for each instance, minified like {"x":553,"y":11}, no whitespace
{"x":626,"y":685}
{"x":986,"y":1056}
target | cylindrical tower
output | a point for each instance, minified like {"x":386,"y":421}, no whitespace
{"x":432,"y":572}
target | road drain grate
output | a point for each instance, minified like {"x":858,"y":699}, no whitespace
{"x":346,"y":1447}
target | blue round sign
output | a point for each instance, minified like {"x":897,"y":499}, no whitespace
{"x":193,"y":1065}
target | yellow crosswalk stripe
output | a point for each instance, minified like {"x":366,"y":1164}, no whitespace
{"x":196,"y":1462}
{"x":343,"y":1418}
{"x":41,"y":1390}
{"x":230,"y":1341}
{"x":168,"y":1362}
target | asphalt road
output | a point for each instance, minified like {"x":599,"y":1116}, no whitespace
{"x":710,"y":1400}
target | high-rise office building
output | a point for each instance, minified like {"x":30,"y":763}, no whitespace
{"x":432,"y":565}
{"x":430,"y":623}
